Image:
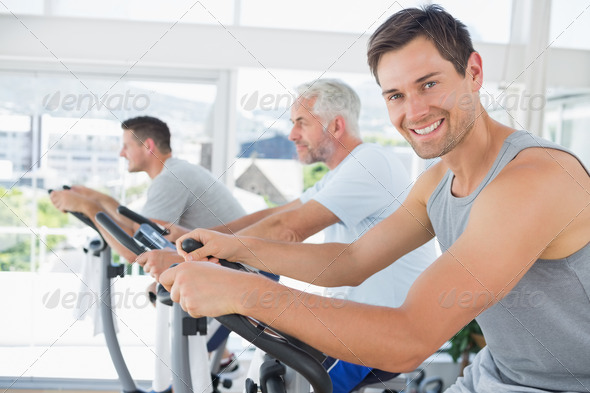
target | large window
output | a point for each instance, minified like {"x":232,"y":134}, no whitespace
{"x":570,"y":26}
{"x":567,"y":122}
{"x":59,"y":130}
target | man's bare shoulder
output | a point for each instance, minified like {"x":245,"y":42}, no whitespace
{"x":548,"y":189}
{"x":546,"y":156}
{"x":551,"y":167}
{"x":554,"y":170}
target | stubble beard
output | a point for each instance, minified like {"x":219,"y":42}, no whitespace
{"x":321,"y":153}
{"x":450,"y":140}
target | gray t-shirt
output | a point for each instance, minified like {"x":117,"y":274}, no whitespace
{"x":189,"y":195}
{"x":538,"y":335}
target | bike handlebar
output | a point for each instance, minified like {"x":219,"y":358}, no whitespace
{"x":138,"y":218}
{"x":115,"y":230}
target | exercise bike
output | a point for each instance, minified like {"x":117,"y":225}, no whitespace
{"x":189,"y":348}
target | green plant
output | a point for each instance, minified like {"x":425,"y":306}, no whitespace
{"x":313,"y":173}
{"x":16,"y":210}
{"x":464,"y":343}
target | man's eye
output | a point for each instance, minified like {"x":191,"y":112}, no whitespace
{"x":394,"y":97}
{"x":428,"y":85}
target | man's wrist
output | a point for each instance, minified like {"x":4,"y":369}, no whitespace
{"x":247,"y":253}
{"x":254,"y":296}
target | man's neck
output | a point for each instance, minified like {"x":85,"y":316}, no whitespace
{"x":471,"y":160}
{"x":343,"y":149}
{"x":157,"y":164}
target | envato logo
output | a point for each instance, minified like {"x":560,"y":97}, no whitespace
{"x":74,"y":300}
{"x":513,"y":101}
{"x":269,"y":299}
{"x":508,"y":101}
{"x":266,"y":102}
{"x":273,"y":102}
{"x":86,"y":101}
{"x":470,"y":299}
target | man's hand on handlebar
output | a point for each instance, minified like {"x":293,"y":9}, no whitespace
{"x":207,"y":289}
{"x":156,"y":261}
{"x":69,"y":200}
{"x":215,"y":244}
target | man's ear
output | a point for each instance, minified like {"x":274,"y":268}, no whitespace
{"x":339,"y":127}
{"x":149,"y":144}
{"x":474,"y":71}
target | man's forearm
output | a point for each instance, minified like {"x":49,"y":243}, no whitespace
{"x":329,"y":264}
{"x":114,"y":243}
{"x":110,"y":205}
{"x":92,"y":208}
{"x":97,"y":201}
{"x":243,"y":222}
{"x":272,"y":227}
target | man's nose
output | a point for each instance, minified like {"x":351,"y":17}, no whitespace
{"x":416,"y":108}
{"x":294,"y":134}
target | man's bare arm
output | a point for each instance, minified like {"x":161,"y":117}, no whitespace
{"x":105,"y":202}
{"x":70,"y":200}
{"x":293,"y":224}
{"x":250,"y":219}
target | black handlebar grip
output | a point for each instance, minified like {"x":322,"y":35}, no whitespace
{"x":190,"y":245}
{"x":163,"y":295}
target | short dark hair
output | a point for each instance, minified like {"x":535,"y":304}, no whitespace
{"x":144,"y":127}
{"x":449,"y":36}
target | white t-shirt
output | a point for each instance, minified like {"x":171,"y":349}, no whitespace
{"x":367,"y":186}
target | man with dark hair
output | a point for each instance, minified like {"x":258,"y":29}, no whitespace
{"x":511,"y":212}
{"x":181,"y":193}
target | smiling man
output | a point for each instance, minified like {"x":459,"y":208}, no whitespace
{"x":511,"y":212}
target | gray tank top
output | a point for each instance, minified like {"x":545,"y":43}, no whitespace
{"x":539,"y":334}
